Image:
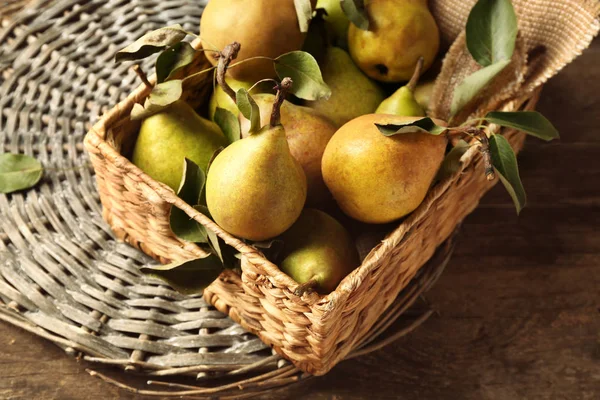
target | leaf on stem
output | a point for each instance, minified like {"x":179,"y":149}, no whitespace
{"x":151,"y":42}
{"x":18,"y":172}
{"x":162,"y":96}
{"x":421,"y":125}
{"x":173,"y":59}
{"x":504,"y":161}
{"x":190,"y":191}
{"x":491,"y":31}
{"x":304,"y":71}
{"x":356,"y":13}
{"x":304,"y":12}
{"x":249,"y":109}
{"x":188,"y":277}
{"x":531,"y":122}
{"x":228,"y":123}
{"x":451,"y":163}
{"x":473,"y":84}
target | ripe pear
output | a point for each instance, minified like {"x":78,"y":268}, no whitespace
{"x":336,"y":19}
{"x":400,"y":31}
{"x":166,"y":138}
{"x":255,"y":189}
{"x":308,"y":133}
{"x":403,"y":101}
{"x":376,"y":178}
{"x":319,"y":248}
{"x":352,"y":93}
{"x":262,"y":27}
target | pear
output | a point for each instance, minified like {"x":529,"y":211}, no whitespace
{"x":336,"y":20}
{"x":400,"y":32}
{"x":255,"y":189}
{"x":376,"y":178}
{"x":263,"y":29}
{"x":307,"y":132}
{"x":352,"y":93}
{"x":318,"y":251}
{"x":403,"y":101}
{"x":220,"y":99}
{"x":168,"y":137}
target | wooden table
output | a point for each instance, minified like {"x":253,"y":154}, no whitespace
{"x":519,"y":303}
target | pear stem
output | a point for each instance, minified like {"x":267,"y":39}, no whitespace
{"x":487,"y":155}
{"x":282,"y":89}
{"x":142,"y":75}
{"x":228,"y":54}
{"x":412,"y":84}
{"x":481,"y":136}
{"x":306,"y":287}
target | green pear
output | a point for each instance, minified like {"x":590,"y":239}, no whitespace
{"x":263,"y":29}
{"x":318,"y":248}
{"x":400,"y":31}
{"x":352,"y":93}
{"x":168,"y":137}
{"x":376,"y":178}
{"x":220,"y":99}
{"x":403,"y":101}
{"x":336,"y":19}
{"x":255,"y":189}
{"x":308,"y":133}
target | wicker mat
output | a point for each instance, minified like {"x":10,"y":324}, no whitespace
{"x":63,"y":276}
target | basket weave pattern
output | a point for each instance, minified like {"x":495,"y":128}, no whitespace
{"x":314,"y":332}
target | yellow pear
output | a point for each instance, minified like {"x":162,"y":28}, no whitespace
{"x":352,"y":93}
{"x":336,"y":19}
{"x":376,"y":178}
{"x":403,"y":102}
{"x":400,"y":31}
{"x":318,"y":251}
{"x":307,"y":132}
{"x":168,"y":137}
{"x":260,"y":26}
{"x":255,"y":189}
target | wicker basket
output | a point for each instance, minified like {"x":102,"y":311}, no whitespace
{"x":314,"y":332}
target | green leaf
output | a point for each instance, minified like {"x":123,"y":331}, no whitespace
{"x":305,"y":73}
{"x":213,"y":242}
{"x":356,"y":13}
{"x":18,"y":172}
{"x":188,"y":277}
{"x":451,"y":163}
{"x":173,"y":59}
{"x":165,"y":93}
{"x":270,"y":248}
{"x":228,"y":123}
{"x":504,"y":161}
{"x":304,"y":12}
{"x":248,"y":108}
{"x":530,"y":122}
{"x":421,"y":125}
{"x":473,"y":84}
{"x":492,"y":31}
{"x":151,"y":42}
{"x":190,"y":191}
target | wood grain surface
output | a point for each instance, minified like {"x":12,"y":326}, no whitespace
{"x":519,"y":304}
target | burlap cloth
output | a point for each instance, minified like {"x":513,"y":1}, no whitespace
{"x":551,"y":34}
